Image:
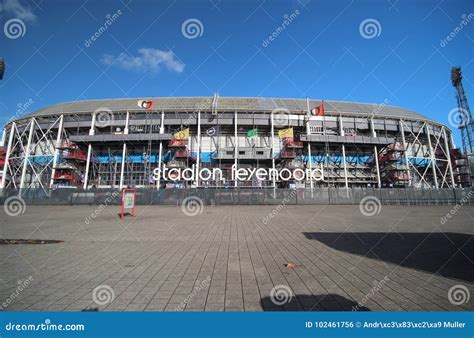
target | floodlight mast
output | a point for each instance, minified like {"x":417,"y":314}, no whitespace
{"x":466,"y":125}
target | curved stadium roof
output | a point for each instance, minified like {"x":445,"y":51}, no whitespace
{"x":228,"y":104}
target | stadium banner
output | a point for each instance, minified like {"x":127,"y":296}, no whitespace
{"x":284,"y":133}
{"x":238,"y":324}
{"x":182,"y":134}
{"x":319,"y":110}
{"x":252,"y":132}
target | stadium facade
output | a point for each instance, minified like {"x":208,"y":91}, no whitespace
{"x":120,"y":142}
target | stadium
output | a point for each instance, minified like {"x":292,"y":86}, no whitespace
{"x":120,"y":143}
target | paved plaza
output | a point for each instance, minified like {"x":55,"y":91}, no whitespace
{"x":236,"y":258}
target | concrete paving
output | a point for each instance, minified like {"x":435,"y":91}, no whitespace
{"x":229,"y":258}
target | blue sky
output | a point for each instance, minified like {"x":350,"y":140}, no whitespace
{"x":322,"y":51}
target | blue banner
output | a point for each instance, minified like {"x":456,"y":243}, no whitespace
{"x":199,"y":324}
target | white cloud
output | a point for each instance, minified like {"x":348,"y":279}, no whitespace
{"x":147,"y":60}
{"x":18,"y":10}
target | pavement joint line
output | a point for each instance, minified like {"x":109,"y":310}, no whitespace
{"x":239,"y":254}
{"x":336,"y":282}
{"x":345,"y":274}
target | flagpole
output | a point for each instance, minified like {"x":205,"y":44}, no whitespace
{"x":310,"y":160}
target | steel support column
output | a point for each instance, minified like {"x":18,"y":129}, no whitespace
{"x":198,"y":158}
{"x":27,"y":154}
{"x":92,"y":129}
{"x":341,"y":132}
{"x":405,"y":152}
{"x":310,"y":156}
{"x":160,"y":153}
{"x":236,"y":147}
{"x":345,"y":169}
{"x":376,"y":154}
{"x":56,"y":150}
{"x":89,"y":152}
{"x":448,"y":156}
{"x":377,"y":168}
{"x":7,"y":155}
{"x":127,"y":122}
{"x":122,"y":167}
{"x":88,"y":162}
{"x":272,"y":134}
{"x":432,"y":156}
{"x":124,"y":151}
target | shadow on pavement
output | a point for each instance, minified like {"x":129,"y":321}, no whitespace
{"x":327,"y":302}
{"x":446,"y":254}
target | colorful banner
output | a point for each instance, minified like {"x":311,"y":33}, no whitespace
{"x":284,"y":133}
{"x":148,"y":105}
{"x":182,"y":134}
{"x":319,"y":110}
{"x":252,"y":132}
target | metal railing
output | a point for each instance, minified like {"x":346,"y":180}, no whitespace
{"x":242,"y":196}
